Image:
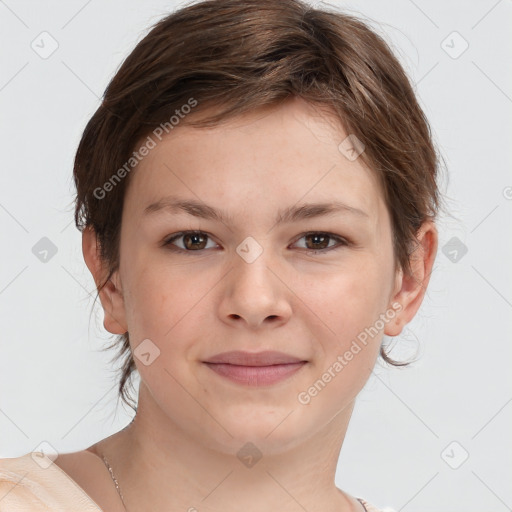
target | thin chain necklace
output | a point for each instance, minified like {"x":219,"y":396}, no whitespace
{"x":112,"y":473}
{"x":115,"y":481}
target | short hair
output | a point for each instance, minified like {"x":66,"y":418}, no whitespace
{"x":242,"y":55}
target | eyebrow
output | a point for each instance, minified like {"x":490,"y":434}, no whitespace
{"x":287,"y":215}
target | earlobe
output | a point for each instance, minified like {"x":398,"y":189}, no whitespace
{"x":111,"y":296}
{"x":410,"y":289}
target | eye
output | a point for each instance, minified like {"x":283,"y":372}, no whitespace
{"x":195,"y":241}
{"x":319,"y":241}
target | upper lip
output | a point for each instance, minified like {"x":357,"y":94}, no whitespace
{"x":266,"y":358}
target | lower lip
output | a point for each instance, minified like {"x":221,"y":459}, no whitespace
{"x":256,"y":375}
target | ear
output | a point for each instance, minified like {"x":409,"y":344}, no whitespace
{"x":410,"y":289}
{"x":111,"y":295}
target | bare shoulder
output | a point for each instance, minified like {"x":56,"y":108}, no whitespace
{"x":89,"y":472}
{"x":81,"y":461}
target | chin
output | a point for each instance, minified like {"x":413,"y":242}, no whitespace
{"x":270,"y":435}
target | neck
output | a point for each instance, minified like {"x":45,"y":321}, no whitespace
{"x":159,"y":466}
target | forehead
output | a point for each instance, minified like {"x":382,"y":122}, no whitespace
{"x":274,"y":156}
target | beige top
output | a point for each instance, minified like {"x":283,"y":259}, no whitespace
{"x":34,"y":483}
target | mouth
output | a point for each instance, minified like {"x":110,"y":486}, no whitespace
{"x":255,"y":369}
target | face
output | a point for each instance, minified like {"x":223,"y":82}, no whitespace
{"x":254,"y":277}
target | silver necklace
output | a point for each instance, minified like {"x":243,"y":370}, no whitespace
{"x":115,"y":481}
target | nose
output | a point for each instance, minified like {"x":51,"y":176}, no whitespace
{"x":254,"y":294}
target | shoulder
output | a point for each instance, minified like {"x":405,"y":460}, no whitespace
{"x":33,"y":482}
{"x":372,"y":508}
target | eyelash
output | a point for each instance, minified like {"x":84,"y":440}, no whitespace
{"x":342,"y":242}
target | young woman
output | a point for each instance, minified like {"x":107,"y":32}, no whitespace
{"x":257,"y":196}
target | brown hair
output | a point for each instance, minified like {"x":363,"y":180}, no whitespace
{"x":241,"y":55}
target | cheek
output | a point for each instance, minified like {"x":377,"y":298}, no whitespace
{"x":350,"y":307}
{"x":169,"y":307}
{"x":161,"y":311}
{"x":153,"y":302}
{"x":351,"y":300}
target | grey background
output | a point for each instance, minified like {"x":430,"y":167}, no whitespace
{"x":56,"y":385}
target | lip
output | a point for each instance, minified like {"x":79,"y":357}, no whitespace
{"x":256,"y":375}
{"x":265,"y":358}
{"x":255,"y":369}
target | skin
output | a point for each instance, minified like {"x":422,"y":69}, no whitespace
{"x":180,"y":451}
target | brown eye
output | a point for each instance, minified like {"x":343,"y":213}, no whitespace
{"x":192,"y":241}
{"x":318,"y":241}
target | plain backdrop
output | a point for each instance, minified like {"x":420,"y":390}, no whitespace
{"x":430,"y":437}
